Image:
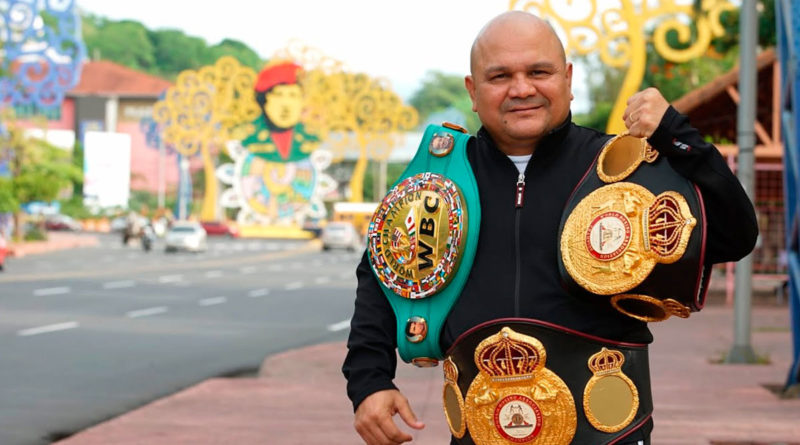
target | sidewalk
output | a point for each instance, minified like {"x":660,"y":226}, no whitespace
{"x":55,"y":241}
{"x":299,"y":398}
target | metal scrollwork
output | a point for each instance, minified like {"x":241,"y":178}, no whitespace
{"x":200,"y":112}
{"x":41,"y":51}
{"x":619,"y":34}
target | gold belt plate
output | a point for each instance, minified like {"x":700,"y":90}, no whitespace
{"x":616,"y":235}
{"x":515,"y":398}
{"x":610,"y":399}
{"x":417,"y":234}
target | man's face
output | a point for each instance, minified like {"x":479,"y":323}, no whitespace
{"x":520,"y":85}
{"x":284,"y":105}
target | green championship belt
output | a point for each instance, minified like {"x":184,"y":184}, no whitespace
{"x":422,"y":240}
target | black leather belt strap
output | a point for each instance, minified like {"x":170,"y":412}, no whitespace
{"x":568,"y":353}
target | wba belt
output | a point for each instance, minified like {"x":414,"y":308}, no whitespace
{"x":634,"y":230}
{"x":526,"y":381}
{"x":422,"y":240}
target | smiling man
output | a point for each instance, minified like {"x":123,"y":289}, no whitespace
{"x":529,"y":356}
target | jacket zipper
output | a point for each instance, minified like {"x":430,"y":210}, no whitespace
{"x":518,"y":201}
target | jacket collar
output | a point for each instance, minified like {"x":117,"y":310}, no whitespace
{"x":546,"y":147}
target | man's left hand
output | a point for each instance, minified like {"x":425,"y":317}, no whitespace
{"x":644,"y":112}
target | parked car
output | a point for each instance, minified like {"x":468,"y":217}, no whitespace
{"x":62,"y":222}
{"x":3,"y":251}
{"x":186,"y":235}
{"x":341,"y":235}
{"x":217,"y":228}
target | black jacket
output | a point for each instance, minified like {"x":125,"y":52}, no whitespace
{"x":515,"y":271}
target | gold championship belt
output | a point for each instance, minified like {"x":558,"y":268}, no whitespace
{"x":530,"y":382}
{"x":634,"y":230}
{"x":417,"y":234}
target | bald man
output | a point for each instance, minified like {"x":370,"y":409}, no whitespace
{"x":527,"y":159}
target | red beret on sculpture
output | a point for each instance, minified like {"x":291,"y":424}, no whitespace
{"x":283,"y":73}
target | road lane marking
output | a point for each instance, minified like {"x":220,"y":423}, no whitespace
{"x":147,"y":312}
{"x":340,"y":326}
{"x":119,"y":284}
{"x":51,"y":291}
{"x":255,"y":293}
{"x":322,"y":280}
{"x":48,"y":328}
{"x":170,"y":278}
{"x":213,"y":274}
{"x":294,"y":286}
{"x":275,"y":268}
{"x":212,"y":301}
{"x":247,"y":269}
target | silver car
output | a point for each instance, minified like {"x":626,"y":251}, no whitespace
{"x":186,"y":235}
{"x":342,"y":235}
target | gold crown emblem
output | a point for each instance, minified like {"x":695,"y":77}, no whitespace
{"x":665,"y":225}
{"x":509,"y":356}
{"x":606,"y":362}
{"x":450,"y":371}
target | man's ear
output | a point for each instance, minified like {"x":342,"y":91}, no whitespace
{"x":470,"y":85}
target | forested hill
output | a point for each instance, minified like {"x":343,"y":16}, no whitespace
{"x":164,"y":52}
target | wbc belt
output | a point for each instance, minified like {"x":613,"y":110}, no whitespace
{"x":512,"y":381}
{"x":634,"y":230}
{"x":422,"y":239}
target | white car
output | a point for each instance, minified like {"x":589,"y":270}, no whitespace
{"x":186,"y":235}
{"x":342,"y":235}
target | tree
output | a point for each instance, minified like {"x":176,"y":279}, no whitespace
{"x":164,"y":52}
{"x":125,"y":42}
{"x":440,"y":91}
{"x":39,"y":170}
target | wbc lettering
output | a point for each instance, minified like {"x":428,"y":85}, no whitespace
{"x":427,"y":226}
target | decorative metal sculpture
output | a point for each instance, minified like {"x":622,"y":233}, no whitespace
{"x":203,"y":111}
{"x":277,"y":178}
{"x":41,"y":51}
{"x":618,"y":34}
{"x":355,"y":110}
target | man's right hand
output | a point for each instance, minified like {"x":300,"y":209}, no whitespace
{"x":374,"y":418}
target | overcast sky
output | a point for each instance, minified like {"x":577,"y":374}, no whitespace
{"x":399,"y":40}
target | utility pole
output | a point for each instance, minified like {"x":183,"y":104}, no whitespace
{"x":742,"y":350}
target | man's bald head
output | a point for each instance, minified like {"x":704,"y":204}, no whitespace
{"x":506,"y":23}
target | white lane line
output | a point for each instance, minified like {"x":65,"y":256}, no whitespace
{"x":340,"y":326}
{"x":213,"y":274}
{"x":247,"y":269}
{"x":119,"y":284}
{"x":296,"y":265}
{"x":255,"y":293}
{"x":48,"y":328}
{"x":51,"y":291}
{"x":275,"y":268}
{"x":147,"y":312}
{"x":294,"y":286}
{"x":212,"y":301}
{"x":170,"y":278}
{"x":322,"y":280}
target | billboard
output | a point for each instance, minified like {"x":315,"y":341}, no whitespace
{"x":106,"y":169}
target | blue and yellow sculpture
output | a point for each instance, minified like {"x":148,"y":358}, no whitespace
{"x":41,"y":52}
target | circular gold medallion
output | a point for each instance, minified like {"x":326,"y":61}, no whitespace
{"x":602,"y":243}
{"x":416,"y":235}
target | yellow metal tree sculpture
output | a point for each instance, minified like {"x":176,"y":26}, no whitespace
{"x":355,"y":110}
{"x":203,"y":111}
{"x":619,"y":34}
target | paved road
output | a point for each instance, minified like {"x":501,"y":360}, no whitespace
{"x":91,"y":333}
